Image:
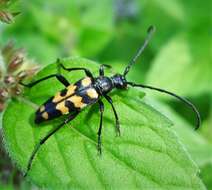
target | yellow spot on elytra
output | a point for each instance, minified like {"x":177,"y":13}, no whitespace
{"x":57,"y":97}
{"x":92,"y":93}
{"x":86,"y":81}
{"x":42,"y":108}
{"x":61,"y":106}
{"x":45,"y":115}
{"x":70,"y":91}
{"x":77,"y":101}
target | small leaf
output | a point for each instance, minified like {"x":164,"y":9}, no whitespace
{"x":148,"y":155}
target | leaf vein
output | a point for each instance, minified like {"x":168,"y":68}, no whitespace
{"x":94,"y":168}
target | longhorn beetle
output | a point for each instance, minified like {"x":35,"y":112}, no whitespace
{"x":87,"y":91}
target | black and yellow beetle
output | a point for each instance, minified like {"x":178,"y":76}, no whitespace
{"x":87,"y":91}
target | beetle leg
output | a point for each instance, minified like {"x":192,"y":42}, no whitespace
{"x":101,"y":109}
{"x":87,"y":72}
{"x":108,"y":98}
{"x":101,"y":69}
{"x":44,"y":139}
{"x":59,"y":77}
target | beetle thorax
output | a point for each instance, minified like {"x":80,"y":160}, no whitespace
{"x":103,"y":84}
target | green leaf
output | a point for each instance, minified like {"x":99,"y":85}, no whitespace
{"x":172,"y":8}
{"x":148,"y":155}
{"x":96,"y":26}
{"x":199,"y":148}
{"x":65,"y":28}
{"x":206,"y":129}
{"x":92,"y":40}
{"x":180,"y":69}
{"x":206,"y":175}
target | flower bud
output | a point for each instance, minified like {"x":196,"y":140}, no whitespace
{"x":27,"y":73}
{"x":16,"y":61}
{"x":9,"y":80}
{"x":21,"y":75}
{"x":3,"y":94}
{"x":6,"y":17}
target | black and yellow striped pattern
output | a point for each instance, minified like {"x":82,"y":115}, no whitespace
{"x":71,"y":99}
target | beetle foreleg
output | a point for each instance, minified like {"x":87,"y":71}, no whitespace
{"x":101,"y":69}
{"x":87,"y":72}
{"x":59,"y":77}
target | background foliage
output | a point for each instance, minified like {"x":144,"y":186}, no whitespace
{"x":110,"y":31}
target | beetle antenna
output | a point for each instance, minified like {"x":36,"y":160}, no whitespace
{"x":185,"y":101}
{"x":150,"y":32}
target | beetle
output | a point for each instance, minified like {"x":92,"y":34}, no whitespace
{"x":88,"y":91}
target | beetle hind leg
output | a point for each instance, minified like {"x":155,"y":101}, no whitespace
{"x":44,"y":139}
{"x":101,"y":109}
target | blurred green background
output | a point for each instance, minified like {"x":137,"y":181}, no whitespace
{"x":178,"y":57}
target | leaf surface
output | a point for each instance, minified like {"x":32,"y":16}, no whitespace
{"x":179,"y":58}
{"x":148,"y":155}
